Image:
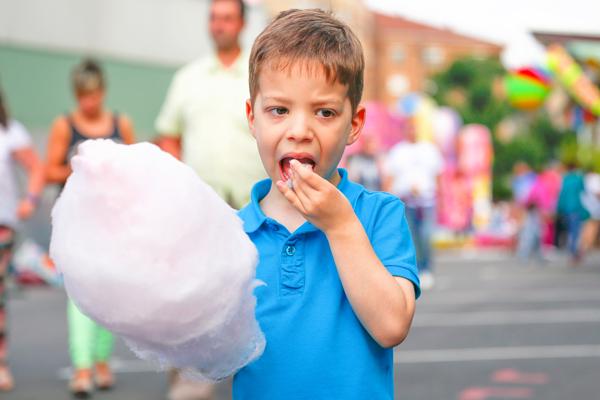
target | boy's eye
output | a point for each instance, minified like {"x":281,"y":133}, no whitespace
{"x":278,"y":111}
{"x":326,"y":113}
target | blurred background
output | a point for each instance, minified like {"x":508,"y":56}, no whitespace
{"x":507,"y":92}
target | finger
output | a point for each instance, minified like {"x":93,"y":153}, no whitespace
{"x":305,"y":192}
{"x":291,"y":196}
{"x":307,"y":175}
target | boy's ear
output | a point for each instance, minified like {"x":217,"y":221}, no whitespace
{"x":358,"y":121}
{"x":250,"y":116}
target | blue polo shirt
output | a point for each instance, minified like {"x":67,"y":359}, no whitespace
{"x":316,"y":346}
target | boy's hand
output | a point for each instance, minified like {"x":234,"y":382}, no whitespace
{"x":321,"y":203}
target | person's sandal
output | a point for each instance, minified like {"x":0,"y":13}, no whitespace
{"x":7,"y":382}
{"x":81,"y":384}
{"x":103,"y":376}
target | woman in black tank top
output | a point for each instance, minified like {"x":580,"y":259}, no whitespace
{"x":78,"y":137}
{"x":90,"y":345}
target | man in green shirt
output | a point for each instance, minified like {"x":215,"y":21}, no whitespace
{"x":203,"y":120}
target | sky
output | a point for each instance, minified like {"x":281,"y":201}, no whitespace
{"x":506,"y":22}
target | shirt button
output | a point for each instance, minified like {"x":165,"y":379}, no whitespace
{"x":290,"y":250}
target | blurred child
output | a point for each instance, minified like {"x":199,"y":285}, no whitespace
{"x":338,"y":260}
{"x":90,"y":345}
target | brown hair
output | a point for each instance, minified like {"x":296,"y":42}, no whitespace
{"x":310,"y":36}
{"x":87,"y":76}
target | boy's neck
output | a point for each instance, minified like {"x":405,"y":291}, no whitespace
{"x":275,"y":206}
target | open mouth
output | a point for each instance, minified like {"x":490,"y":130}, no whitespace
{"x":285,"y":167}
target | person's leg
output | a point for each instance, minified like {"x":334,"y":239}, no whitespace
{"x":103,"y":349}
{"x":6,"y":241}
{"x":529,"y":246}
{"x":574,"y":231}
{"x":183,"y":388}
{"x":559,"y":228}
{"x":538,"y":229}
{"x":81,"y":339}
{"x":589,"y":235}
{"x":525,"y":240}
{"x":104,"y":344}
{"x":427,"y":225}
{"x":420,"y":222}
{"x":412,"y":218}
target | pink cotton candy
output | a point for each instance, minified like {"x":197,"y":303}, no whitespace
{"x":150,"y":251}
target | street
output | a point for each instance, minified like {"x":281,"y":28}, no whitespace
{"x":490,"y":329}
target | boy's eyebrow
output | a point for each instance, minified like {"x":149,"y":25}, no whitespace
{"x":328,"y":101}
{"x":319,"y":102}
{"x":276,"y":99}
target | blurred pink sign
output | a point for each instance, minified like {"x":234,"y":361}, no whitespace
{"x":380,"y":123}
{"x":475,"y":150}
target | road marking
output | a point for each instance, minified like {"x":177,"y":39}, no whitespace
{"x":482,"y":393}
{"x":495,"y":353}
{"x":509,"y":375}
{"x":511,"y":317}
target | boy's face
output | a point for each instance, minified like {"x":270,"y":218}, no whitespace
{"x":298,"y":114}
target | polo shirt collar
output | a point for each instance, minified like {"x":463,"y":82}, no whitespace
{"x":215,"y":65}
{"x":254,"y":217}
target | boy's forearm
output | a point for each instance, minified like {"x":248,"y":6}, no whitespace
{"x":384,"y":307}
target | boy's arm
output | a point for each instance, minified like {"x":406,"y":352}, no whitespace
{"x":384,"y":304}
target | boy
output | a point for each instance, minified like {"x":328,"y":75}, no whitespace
{"x":337,"y":260}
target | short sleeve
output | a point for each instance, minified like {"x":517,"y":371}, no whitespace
{"x":19,"y":138}
{"x":169,"y":121}
{"x":392,"y":242}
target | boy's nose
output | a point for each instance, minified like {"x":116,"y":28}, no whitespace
{"x":300,"y":129}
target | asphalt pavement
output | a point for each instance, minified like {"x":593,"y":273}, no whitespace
{"x":490,"y":329}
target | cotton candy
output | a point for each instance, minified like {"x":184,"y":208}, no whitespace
{"x":149,"y":251}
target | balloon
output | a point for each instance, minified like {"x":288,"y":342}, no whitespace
{"x":527,"y":88}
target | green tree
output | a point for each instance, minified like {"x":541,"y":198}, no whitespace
{"x":468,"y":86}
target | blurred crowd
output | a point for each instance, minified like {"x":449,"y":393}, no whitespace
{"x":557,"y":207}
